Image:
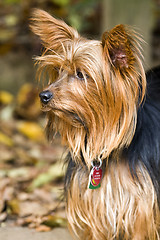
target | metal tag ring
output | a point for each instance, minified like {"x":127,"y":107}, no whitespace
{"x":95,"y":165}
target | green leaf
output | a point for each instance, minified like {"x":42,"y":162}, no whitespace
{"x":61,"y":3}
{"x":54,"y":172}
{"x":75,"y":21}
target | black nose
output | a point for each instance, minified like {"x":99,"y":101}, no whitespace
{"x":45,"y":96}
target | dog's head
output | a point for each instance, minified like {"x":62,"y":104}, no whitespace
{"x":94,"y":87}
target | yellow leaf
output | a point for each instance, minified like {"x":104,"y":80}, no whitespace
{"x":6,"y":140}
{"x":28,"y":104}
{"x":14,"y":206}
{"x":5,"y":97}
{"x":26,"y":93}
{"x":31,"y":130}
{"x":54,"y":221}
{"x":23,"y":92}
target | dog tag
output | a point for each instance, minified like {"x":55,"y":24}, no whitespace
{"x":95,"y":177}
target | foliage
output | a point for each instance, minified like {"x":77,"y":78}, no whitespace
{"x":31,"y":170}
{"x":14,"y":20}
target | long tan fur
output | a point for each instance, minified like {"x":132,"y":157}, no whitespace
{"x":121,"y":209}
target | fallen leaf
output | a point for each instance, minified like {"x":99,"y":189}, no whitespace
{"x":43,"y":228}
{"x":39,"y":181}
{"x":23,"y":154}
{"x":7,"y":112}
{"x":31,"y":130}
{"x":6,"y":97}
{"x":28,"y":104}
{"x":55,"y":221}
{"x":14,"y":206}
{"x":32,"y":207}
{"x":6,"y":154}
{"x":18,"y":172}
{"x":25,"y":221}
{"x":3,"y":216}
{"x":6,"y":140}
{"x":8,"y":193}
{"x":43,"y":195}
{"x":54,"y":172}
{"x":50,"y":153}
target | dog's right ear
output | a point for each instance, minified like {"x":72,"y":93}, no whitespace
{"x":53,"y":32}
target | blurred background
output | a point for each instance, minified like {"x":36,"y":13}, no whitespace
{"x":31,"y":182}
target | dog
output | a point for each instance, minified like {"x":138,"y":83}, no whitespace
{"x":108,"y":116}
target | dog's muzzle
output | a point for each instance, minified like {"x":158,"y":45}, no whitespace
{"x":46,"y":96}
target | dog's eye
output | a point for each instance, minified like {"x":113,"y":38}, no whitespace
{"x":81,"y":75}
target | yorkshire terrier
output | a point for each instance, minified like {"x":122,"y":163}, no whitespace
{"x":98,"y":100}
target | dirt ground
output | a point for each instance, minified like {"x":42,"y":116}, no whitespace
{"x":19,"y":233}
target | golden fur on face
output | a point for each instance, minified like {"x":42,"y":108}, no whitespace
{"x":97,"y":87}
{"x":102,"y":103}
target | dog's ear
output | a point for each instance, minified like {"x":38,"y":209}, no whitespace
{"x":119,"y":48}
{"x":122,"y":56}
{"x":53,"y":32}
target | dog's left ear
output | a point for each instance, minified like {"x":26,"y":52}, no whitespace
{"x":119,"y":47}
{"x":53,"y":32}
{"x":123,"y":59}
